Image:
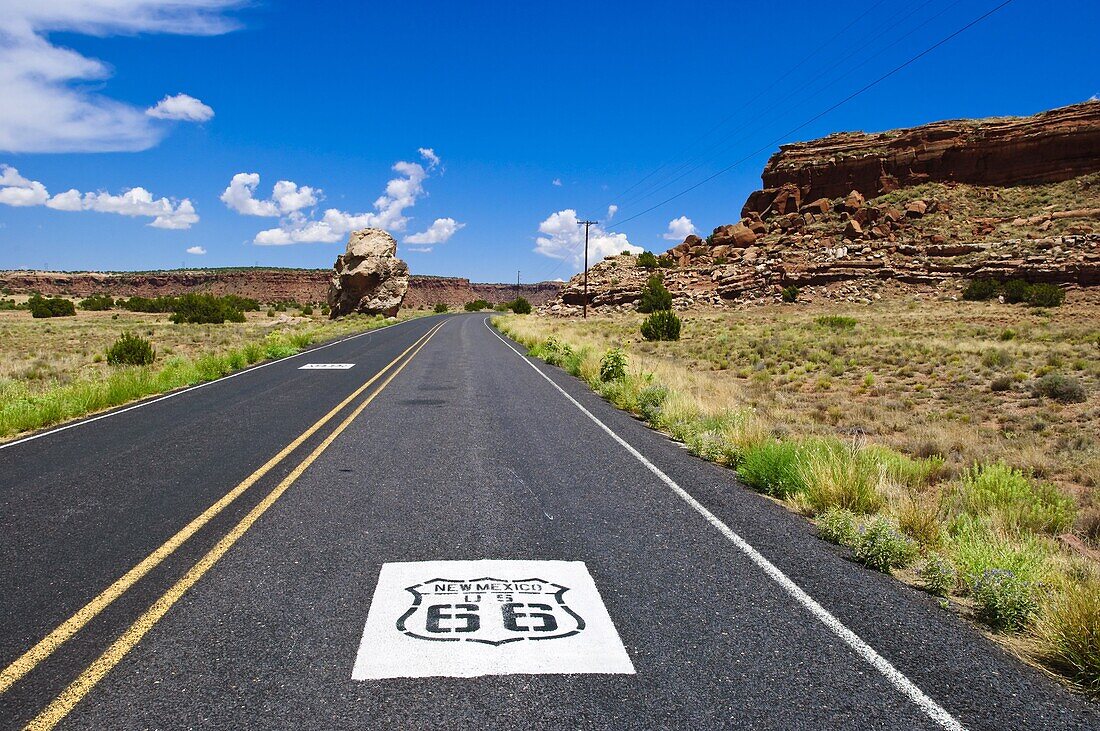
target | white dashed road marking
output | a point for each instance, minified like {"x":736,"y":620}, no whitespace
{"x":326,"y":366}
{"x":472,"y":618}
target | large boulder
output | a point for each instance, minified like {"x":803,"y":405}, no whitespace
{"x":368,"y":277}
{"x":736,"y":235}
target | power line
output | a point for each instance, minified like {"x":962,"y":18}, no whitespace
{"x":818,"y":116}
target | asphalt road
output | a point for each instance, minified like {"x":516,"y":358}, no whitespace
{"x":655,"y":591}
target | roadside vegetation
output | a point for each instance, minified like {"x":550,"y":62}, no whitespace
{"x":955,"y":445}
{"x":52,"y":371}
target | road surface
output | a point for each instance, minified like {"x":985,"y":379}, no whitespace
{"x":447,"y":534}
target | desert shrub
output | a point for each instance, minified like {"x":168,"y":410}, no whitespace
{"x":476,"y":306}
{"x":838,"y":525}
{"x":52,"y":307}
{"x":881,"y":546}
{"x":996,"y":358}
{"x":839,"y":475}
{"x":10,"y":304}
{"x":980,"y":289}
{"x":131,"y":349}
{"x":665,"y":261}
{"x":647,"y":260}
{"x":270,"y":312}
{"x":1005,"y":600}
{"x":975,"y":548}
{"x":837,"y":322}
{"x":149,"y":304}
{"x":97,"y":302}
{"x":789,"y":294}
{"x":198,"y":309}
{"x":613,"y":365}
{"x":771,"y":467}
{"x":663,"y":325}
{"x":1045,"y":295}
{"x":307,"y":310}
{"x":655,"y":297}
{"x":1013,"y":501}
{"x":1069,"y":627}
{"x":1000,"y":384}
{"x":325,"y":310}
{"x":1016,"y":290}
{"x":650,"y":401}
{"x":1066,"y":389}
{"x":1007,"y":334}
{"x":520,"y":306}
{"x":939,"y":575}
{"x":244,"y":304}
{"x":553,"y":351}
{"x":441,"y":307}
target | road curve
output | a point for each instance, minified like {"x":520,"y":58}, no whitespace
{"x":279,"y":610}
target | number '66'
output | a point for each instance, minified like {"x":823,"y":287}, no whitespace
{"x":518,"y":617}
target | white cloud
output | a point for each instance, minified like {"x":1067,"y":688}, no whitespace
{"x":563,"y":238}
{"x":181,"y":107}
{"x":611,"y":211}
{"x":556,"y":182}
{"x":52,"y":95}
{"x":286,"y":197}
{"x":402,"y":192}
{"x":15,"y":190}
{"x":419,"y":249}
{"x":438,"y":233}
{"x":679,"y":229}
{"x":196,"y":250}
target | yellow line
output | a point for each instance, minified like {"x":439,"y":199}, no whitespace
{"x":48,"y":644}
{"x":112,"y":656}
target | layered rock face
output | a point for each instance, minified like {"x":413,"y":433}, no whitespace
{"x":837,"y":226}
{"x":368,"y":278}
{"x":1052,"y":146}
{"x":427,"y":291}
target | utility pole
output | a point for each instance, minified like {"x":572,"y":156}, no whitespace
{"x":517,"y":284}
{"x":586,"y":224}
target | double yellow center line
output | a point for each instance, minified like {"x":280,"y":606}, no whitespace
{"x":64,"y":703}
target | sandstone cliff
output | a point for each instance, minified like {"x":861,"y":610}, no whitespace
{"x":916,"y":226}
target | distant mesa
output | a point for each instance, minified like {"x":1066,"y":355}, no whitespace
{"x":852,"y":216}
{"x":368,"y":278}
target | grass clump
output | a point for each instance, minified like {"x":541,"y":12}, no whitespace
{"x":771,"y":467}
{"x":839,"y":475}
{"x":53,"y":307}
{"x":613,"y":365}
{"x":662,"y":325}
{"x":1058,"y":387}
{"x":1069,"y":626}
{"x":131,"y":349}
{"x":837,"y":322}
{"x":553,"y":351}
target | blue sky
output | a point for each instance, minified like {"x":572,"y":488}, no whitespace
{"x":511,"y":97}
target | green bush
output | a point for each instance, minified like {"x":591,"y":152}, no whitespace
{"x":307,"y":310}
{"x":1066,"y":389}
{"x":1045,"y":295}
{"x":647,"y":260}
{"x":520,"y":306}
{"x":52,"y":307}
{"x":553,"y":351}
{"x":771,"y":467}
{"x":881,"y":546}
{"x":147,"y":304}
{"x":10,"y":304}
{"x":441,"y":307}
{"x":131,"y":349}
{"x":476,"y":306}
{"x":665,"y":261}
{"x":939,"y":575}
{"x":97,"y":302}
{"x":654,"y":296}
{"x":664,"y":325}
{"x":789,"y":294}
{"x":838,"y":525}
{"x":837,"y":322}
{"x":1016,"y":290}
{"x":649,"y":403}
{"x":613,"y":365}
{"x":202,"y":309}
{"x":1000,"y":384}
{"x":1013,"y":501}
{"x":1005,"y":600}
{"x":980,"y":289}
{"x":325,"y":310}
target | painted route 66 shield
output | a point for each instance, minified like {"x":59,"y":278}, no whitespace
{"x":489,"y":610}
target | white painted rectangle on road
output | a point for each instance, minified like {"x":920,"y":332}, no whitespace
{"x":326,"y":366}
{"x":472,"y":618}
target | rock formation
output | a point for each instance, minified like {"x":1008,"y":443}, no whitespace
{"x":368,"y":278}
{"x":1056,"y":145}
{"x":844,"y":216}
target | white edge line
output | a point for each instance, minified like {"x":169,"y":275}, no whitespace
{"x":165,"y":397}
{"x":850,"y":638}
